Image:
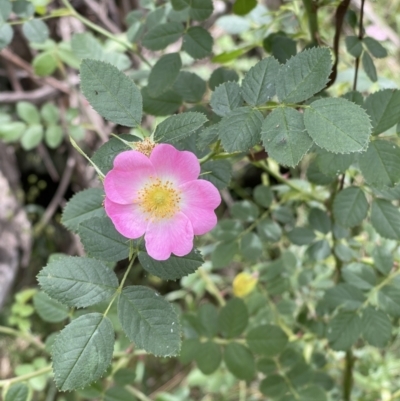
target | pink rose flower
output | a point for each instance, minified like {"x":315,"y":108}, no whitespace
{"x":160,"y":197}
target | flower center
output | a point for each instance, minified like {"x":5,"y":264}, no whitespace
{"x":145,"y":146}
{"x":159,"y":200}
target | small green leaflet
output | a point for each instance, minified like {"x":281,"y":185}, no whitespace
{"x":240,"y":129}
{"x":233,"y":318}
{"x":384,"y":109}
{"x":197,"y":42}
{"x":304,"y":75}
{"x":374,"y":47}
{"x":83,"y":206}
{"x":380,"y":164}
{"x":208,"y":357}
{"x":162,"y":105}
{"x":173,"y":268}
{"x":190,"y":86}
{"x":350,"y":207}
{"x":83,"y":351}
{"x":240,"y":361}
{"x":179,"y":126}
{"x":200,"y":9}
{"x":226,"y":98}
{"x":102,"y":241}
{"x":337,"y":125}
{"x":267,"y":340}
{"x":162,"y":35}
{"x":149,"y":321}
{"x":360,"y":275}
{"x":369,"y":67}
{"x":285,"y":137}
{"x":354,"y":45}
{"x":6,"y":35}
{"x":17,"y":392}
{"x":385,"y":218}
{"x":77,"y":281}
{"x":377,"y":329}
{"x":111,"y":93}
{"x":344,"y":330}
{"x":35,"y":30}
{"x":218,"y":172}
{"x":258,"y":85}
{"x":163,"y":74}
{"x":49,"y":309}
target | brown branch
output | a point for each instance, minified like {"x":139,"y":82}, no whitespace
{"x":360,"y":36}
{"x":39,"y":95}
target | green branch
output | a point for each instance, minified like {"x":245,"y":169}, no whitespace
{"x":28,"y":376}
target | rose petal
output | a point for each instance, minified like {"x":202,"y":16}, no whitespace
{"x":174,"y":165}
{"x":127,"y":219}
{"x":169,"y":236}
{"x":199,"y":199}
{"x":131,"y":172}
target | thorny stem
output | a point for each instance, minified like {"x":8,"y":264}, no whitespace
{"x":311,"y":9}
{"x":360,"y":36}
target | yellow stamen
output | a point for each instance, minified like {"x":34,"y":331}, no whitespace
{"x":159,"y":200}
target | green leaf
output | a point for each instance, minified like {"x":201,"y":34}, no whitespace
{"x":243,"y":7}
{"x":258,"y":85}
{"x":49,"y":309}
{"x":337,"y":125}
{"x":83,"y":351}
{"x":380,"y":164}
{"x":85,"y":45}
{"x":200,"y":9}
{"x":45,"y":64}
{"x":355,"y":97}
{"x":179,"y":126}
{"x":78,"y":282}
{"x":189,"y":350}
{"x":159,"y":37}
{"x":316,"y":176}
{"x":223,"y":253}
{"x":384,"y":108}
{"x":354,"y":45}
{"x":263,"y":195}
{"x":369,"y":67}
{"x":53,"y":136}
{"x":360,"y":275}
{"x":385,"y":218}
{"x":267,"y":340}
{"x":344,"y":295}
{"x":117,"y":394}
{"x":179,"y":5}
{"x":149,"y":321}
{"x":226,"y":98}
{"x":83,"y":206}
{"x":383,"y":259}
{"x":304,"y":75}
{"x":11,"y":132}
{"x":284,"y":136}
{"x":218,"y":172}
{"x":350,"y":207}
{"x":208,"y":318}
{"x":208,"y":357}
{"x":5,"y":10}
{"x":6,"y":35}
{"x":163,"y":74}
{"x":111,"y":93}
{"x":319,"y":250}
{"x":269,"y":230}
{"x":374,"y":47}
{"x":240,"y":129}
{"x":105,"y":155}
{"x":251,"y":246}
{"x":311,"y":393}
{"x":332,"y":164}
{"x":173,"y":268}
{"x":274,"y":386}
{"x":163,"y":105}
{"x":233,"y":318}
{"x":35,"y":31}
{"x":190,"y":86}
{"x":376,"y":326}
{"x":319,"y":220}
{"x":124,"y":376}
{"x":245,"y":210}
{"x":221,"y":75}
{"x":389,"y":300}
{"x":226,"y":57}
{"x":301,"y":236}
{"x":17,"y":392}
{"x":344,"y":330}
{"x":23,"y":8}
{"x":32,"y":137}
{"x":197,"y":42}
{"x":102,"y":241}
{"x":266,"y":366}
{"x":239,"y":361}
{"x":281,"y":47}
{"x":28,"y":112}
